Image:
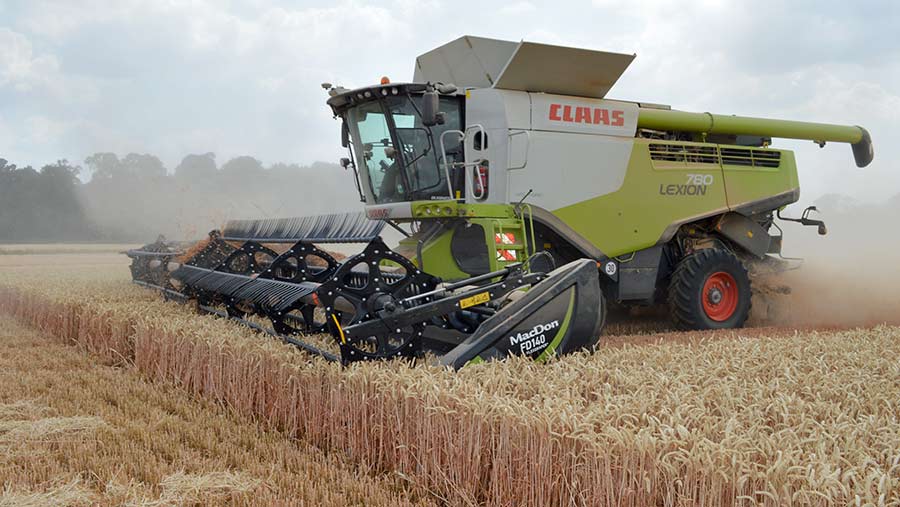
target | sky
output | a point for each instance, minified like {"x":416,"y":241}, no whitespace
{"x":242,"y":77}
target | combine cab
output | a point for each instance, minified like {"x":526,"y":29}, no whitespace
{"x":527,"y":199}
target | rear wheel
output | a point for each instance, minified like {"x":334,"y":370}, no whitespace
{"x":710,"y":289}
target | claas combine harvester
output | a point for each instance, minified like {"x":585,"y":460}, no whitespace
{"x":527,"y":201}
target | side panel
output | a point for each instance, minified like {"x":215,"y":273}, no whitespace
{"x":651,"y":198}
{"x":578,"y":149}
{"x":752,"y":181}
{"x":492,"y":113}
{"x":565,"y":168}
{"x":586,"y":116}
{"x":463,"y":240}
{"x":436,"y":256}
{"x":394,"y":210}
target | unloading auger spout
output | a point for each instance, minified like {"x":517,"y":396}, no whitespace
{"x":708,"y":123}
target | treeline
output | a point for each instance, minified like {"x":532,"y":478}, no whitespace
{"x":41,"y":204}
{"x":136,"y":197}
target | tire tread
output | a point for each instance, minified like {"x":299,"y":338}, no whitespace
{"x":686,"y":281}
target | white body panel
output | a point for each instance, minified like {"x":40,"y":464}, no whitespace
{"x":561,"y":113}
{"x":565,"y":168}
{"x":388,"y":210}
{"x":563,"y":149}
{"x":494,"y":112}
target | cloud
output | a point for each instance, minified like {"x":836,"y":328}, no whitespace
{"x":242,"y":77}
{"x":43,"y":130}
{"x":40,"y":76}
{"x":516,"y":8}
{"x":57,"y":19}
{"x":20,"y":67}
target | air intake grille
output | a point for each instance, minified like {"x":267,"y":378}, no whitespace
{"x":690,"y":154}
{"x":749,"y":157}
{"x":685,"y":154}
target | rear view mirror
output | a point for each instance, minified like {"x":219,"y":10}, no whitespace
{"x":446,"y":89}
{"x":430,"y":104}
{"x":345,"y":134}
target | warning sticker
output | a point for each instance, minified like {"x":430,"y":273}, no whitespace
{"x":477,"y":299}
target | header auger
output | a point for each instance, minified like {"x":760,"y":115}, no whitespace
{"x":499,"y":162}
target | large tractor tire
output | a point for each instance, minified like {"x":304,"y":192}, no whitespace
{"x":710,"y":289}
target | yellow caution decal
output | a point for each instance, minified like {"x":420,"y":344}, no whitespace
{"x":477,"y":299}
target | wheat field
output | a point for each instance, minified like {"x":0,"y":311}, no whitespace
{"x":63,"y":248}
{"x":75,"y":432}
{"x":748,"y":417}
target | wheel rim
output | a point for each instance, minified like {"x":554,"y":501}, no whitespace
{"x":720,"y":296}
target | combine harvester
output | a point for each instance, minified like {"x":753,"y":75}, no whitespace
{"x":501,"y":161}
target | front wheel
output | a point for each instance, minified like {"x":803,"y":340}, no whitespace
{"x":710,"y":289}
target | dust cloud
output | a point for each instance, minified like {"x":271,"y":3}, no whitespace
{"x":135,"y":198}
{"x":850,"y":277}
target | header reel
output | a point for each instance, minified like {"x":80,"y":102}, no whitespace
{"x":364,"y":285}
{"x":377,"y":304}
{"x":149,"y":263}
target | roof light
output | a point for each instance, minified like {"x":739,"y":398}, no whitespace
{"x":385,"y":80}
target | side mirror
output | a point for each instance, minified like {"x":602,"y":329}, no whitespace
{"x":430,"y":104}
{"x":345,"y":134}
{"x":446,"y":89}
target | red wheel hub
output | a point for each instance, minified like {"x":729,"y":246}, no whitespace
{"x":720,"y":296}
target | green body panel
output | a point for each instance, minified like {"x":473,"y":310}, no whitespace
{"x":495,"y":219}
{"x":423,"y":210}
{"x":666,"y":119}
{"x":436,"y":255}
{"x":658,"y":195}
{"x":745,"y":185}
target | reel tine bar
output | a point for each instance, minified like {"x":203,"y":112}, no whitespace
{"x":333,"y":228}
{"x":272,"y":294}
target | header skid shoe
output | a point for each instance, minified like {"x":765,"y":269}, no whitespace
{"x":563,"y":313}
